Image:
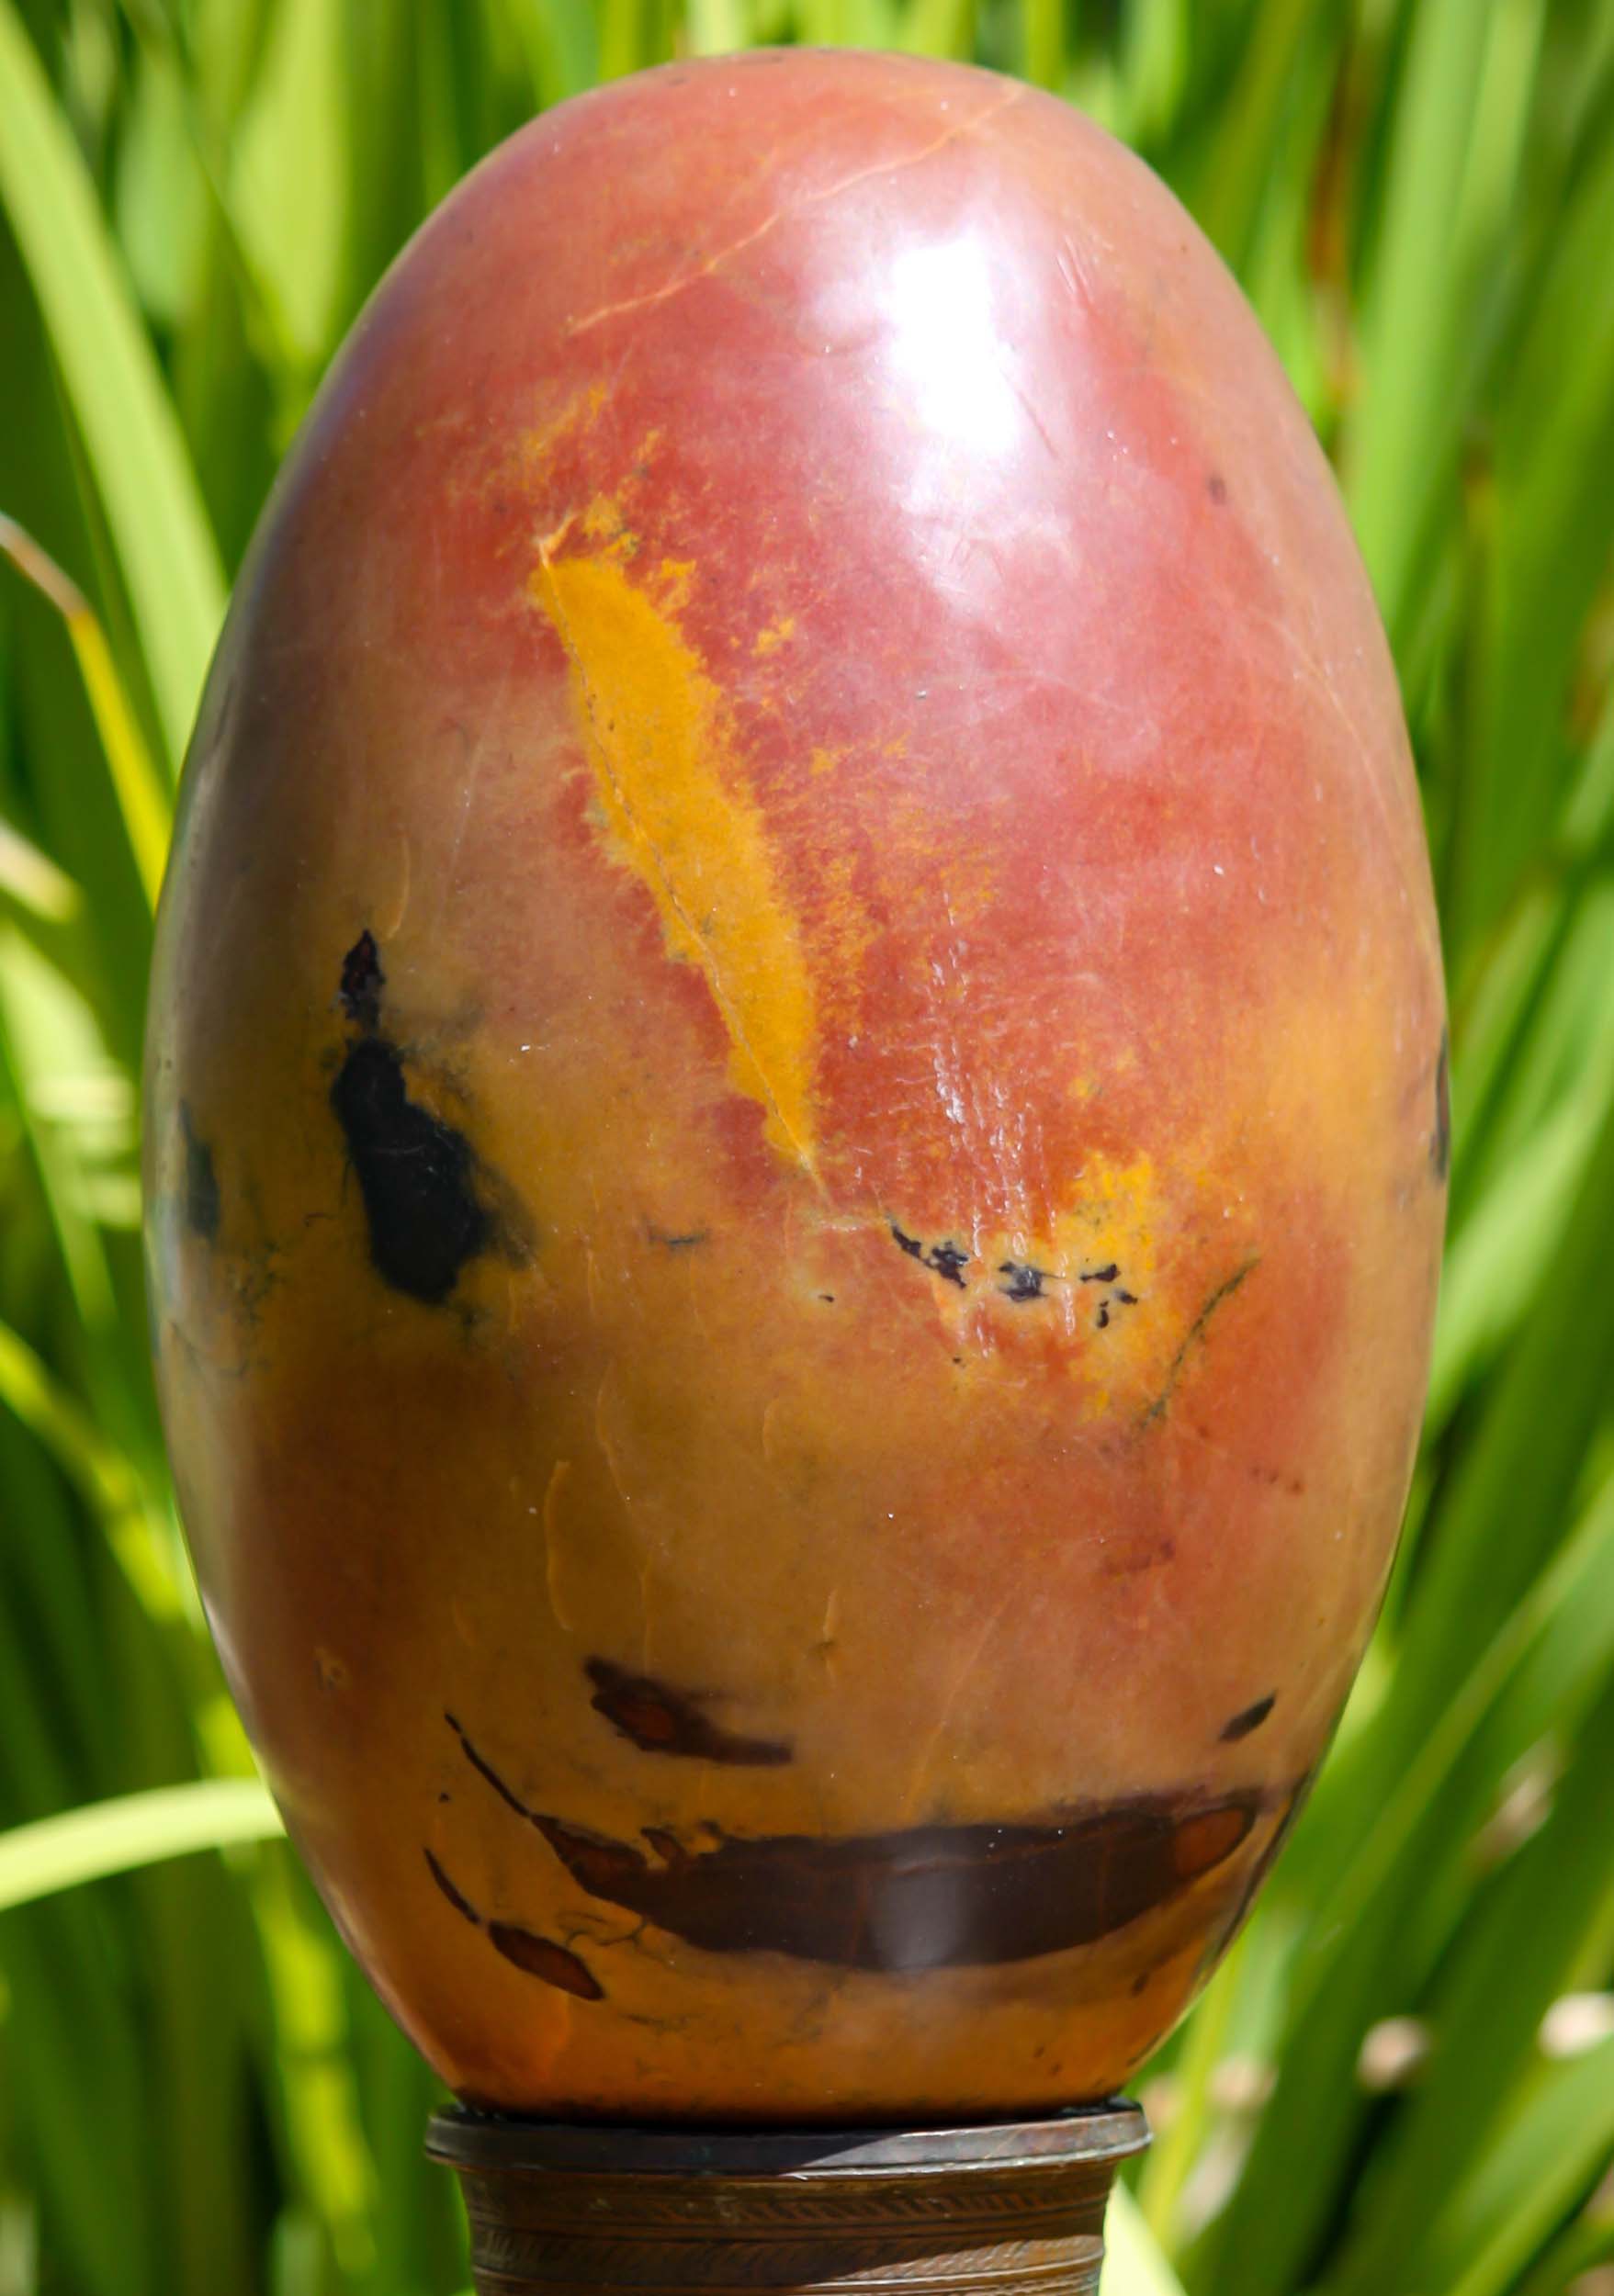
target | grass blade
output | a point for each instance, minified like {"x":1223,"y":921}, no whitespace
{"x":113,"y":1837}
{"x":1135,"y":2262}
{"x":142,"y":472}
{"x":140,"y":797}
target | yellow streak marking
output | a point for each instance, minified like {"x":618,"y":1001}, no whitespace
{"x":770,"y":640}
{"x":580,"y":412}
{"x":605,"y":520}
{"x":660,"y":744}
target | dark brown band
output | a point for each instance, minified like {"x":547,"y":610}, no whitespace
{"x":1004,"y":2209}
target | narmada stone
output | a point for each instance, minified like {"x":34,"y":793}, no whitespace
{"x":796,"y":1109}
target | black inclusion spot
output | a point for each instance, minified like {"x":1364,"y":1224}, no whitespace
{"x":1250,"y":1720}
{"x":541,"y":1957}
{"x":1216,"y":488}
{"x":362,"y":982}
{"x":202,"y":1205}
{"x":455,"y":1897}
{"x":660,"y":1719}
{"x":949,"y":1263}
{"x":1025,"y":1282}
{"x":415,"y":1172}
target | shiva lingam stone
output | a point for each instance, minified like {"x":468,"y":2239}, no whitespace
{"x":796,"y":1114}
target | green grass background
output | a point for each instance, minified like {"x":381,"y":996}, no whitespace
{"x":1403,"y":2083}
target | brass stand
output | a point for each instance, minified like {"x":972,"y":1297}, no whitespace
{"x":1012,"y":2208}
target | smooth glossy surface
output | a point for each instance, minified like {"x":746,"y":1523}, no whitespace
{"x":796,"y":1125}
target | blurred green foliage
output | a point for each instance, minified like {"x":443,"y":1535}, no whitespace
{"x":1404,"y":2080}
